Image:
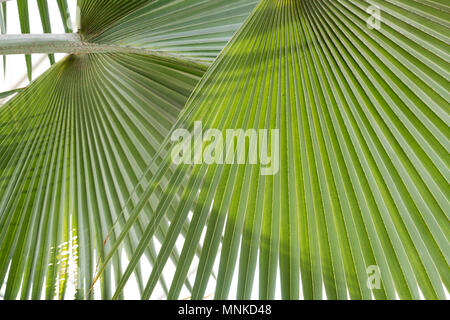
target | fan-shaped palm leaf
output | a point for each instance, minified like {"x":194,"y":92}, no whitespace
{"x":24,"y":18}
{"x":74,"y":144}
{"x":363,"y":119}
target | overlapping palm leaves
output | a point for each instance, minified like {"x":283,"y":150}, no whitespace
{"x":363,"y":116}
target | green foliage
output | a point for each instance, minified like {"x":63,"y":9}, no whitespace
{"x":86,"y":174}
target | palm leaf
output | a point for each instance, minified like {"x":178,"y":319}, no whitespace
{"x":3,"y":29}
{"x":69,"y":162}
{"x":24,"y":19}
{"x":73,"y":147}
{"x":9,"y":93}
{"x":363,"y":119}
{"x":65,"y":15}
{"x":191,"y":28}
{"x":46,"y":24}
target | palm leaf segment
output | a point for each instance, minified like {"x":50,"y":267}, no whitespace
{"x":74,"y":144}
{"x":363,"y":116}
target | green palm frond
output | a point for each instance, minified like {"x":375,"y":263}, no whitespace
{"x":98,"y":16}
{"x":358,"y":90}
{"x":363,"y":118}
{"x":73,"y":146}
{"x":191,"y":28}
{"x":3,"y":28}
{"x":69,"y":162}
{"x":9,"y":93}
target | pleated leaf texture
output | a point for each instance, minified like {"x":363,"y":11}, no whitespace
{"x":25,"y":28}
{"x":363,"y":180}
{"x":189,"y":28}
{"x":76,"y":142}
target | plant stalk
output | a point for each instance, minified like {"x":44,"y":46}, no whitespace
{"x":70,"y":43}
